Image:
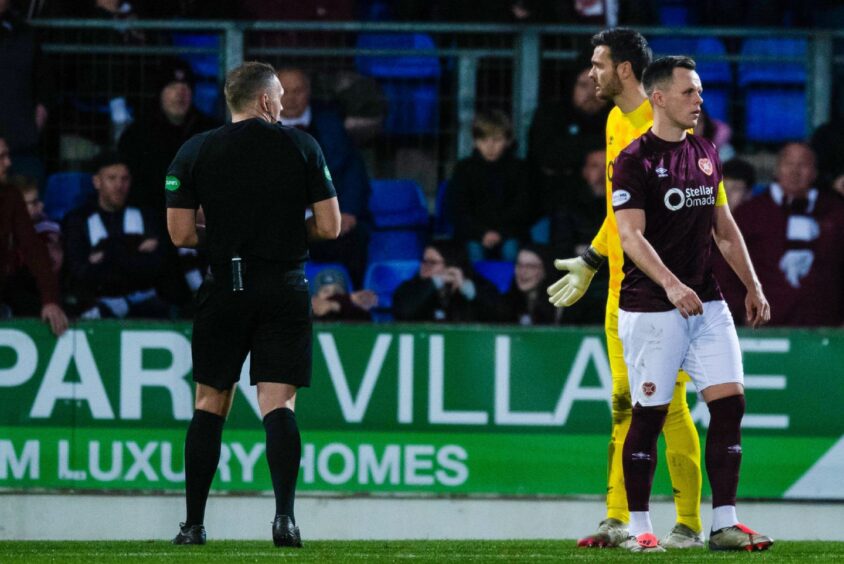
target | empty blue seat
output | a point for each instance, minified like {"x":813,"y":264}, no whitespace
{"x":203,"y":65}
{"x":716,"y":102}
{"x":396,"y":244}
{"x":66,"y":191}
{"x":383,"y":278}
{"x":312,"y":269}
{"x":398,"y":66}
{"x":710,"y":71}
{"x":776,"y":71}
{"x":774,"y":91}
{"x":775,"y":115}
{"x":398,"y":204}
{"x":410,"y":82}
{"x":499,"y":272}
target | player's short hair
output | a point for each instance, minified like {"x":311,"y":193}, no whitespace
{"x":662,"y":70}
{"x":245,"y":82}
{"x":491,"y":123}
{"x":742,"y":170}
{"x":626,"y":46}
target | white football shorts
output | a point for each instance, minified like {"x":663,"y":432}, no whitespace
{"x":658,"y":344}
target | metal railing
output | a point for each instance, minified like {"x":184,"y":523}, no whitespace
{"x":517,"y":62}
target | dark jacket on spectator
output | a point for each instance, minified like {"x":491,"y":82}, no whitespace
{"x":560,"y":138}
{"x":819,"y":299}
{"x":491,"y":196}
{"x":418,"y":299}
{"x":123,"y":269}
{"x":149,"y":146}
{"x":532,"y":308}
{"x":25,"y":82}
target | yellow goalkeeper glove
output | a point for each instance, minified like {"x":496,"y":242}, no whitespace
{"x":571,"y":287}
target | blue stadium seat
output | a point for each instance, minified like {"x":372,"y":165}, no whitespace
{"x":410,"y":82}
{"x":203,"y":65}
{"x":773,"y":72}
{"x":383,"y":278}
{"x":396,"y":244}
{"x":775,"y":91}
{"x":540,"y":232}
{"x":403,"y":66}
{"x":717,"y":77}
{"x":66,"y":191}
{"x":207,"y":99}
{"x":775,"y":115}
{"x":314,"y":268}
{"x":499,"y":272}
{"x":443,"y":214}
{"x":710,"y":71}
{"x":673,"y":13}
{"x":398,"y":204}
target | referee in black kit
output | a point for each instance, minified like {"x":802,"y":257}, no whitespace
{"x":254,"y":180}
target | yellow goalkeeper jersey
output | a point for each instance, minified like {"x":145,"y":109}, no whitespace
{"x":623,"y":129}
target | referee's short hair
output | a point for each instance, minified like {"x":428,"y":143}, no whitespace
{"x":662,"y":70}
{"x":244,"y":82}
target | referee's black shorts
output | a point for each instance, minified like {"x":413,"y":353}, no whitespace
{"x":270,"y":318}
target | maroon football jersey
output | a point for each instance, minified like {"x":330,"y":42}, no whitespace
{"x":676,"y":184}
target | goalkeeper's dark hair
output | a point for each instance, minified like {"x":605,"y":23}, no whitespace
{"x":626,"y":46}
{"x":245,"y":82}
{"x":662,"y":70}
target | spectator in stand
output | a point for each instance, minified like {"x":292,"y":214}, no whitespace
{"x":346,"y":167}
{"x":526,"y":302}
{"x":115,"y":252}
{"x":361,"y":100}
{"x":561,"y":134}
{"x":574,"y":221}
{"x":332,"y":300}
{"x":21,"y":246}
{"x":794,"y":233}
{"x":149,"y":145}
{"x":491,"y":193}
{"x":26,"y":92}
{"x":447,"y":289}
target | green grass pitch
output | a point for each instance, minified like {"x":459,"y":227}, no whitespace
{"x":387,"y":551}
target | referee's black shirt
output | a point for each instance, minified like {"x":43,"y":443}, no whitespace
{"x":254,"y":181}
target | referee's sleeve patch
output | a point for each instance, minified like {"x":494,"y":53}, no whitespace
{"x":171,"y":183}
{"x":327,"y":173}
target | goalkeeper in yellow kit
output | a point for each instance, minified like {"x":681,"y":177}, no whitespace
{"x":618,"y":61}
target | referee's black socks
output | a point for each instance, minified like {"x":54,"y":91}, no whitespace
{"x":202,"y":454}
{"x":284,"y":450}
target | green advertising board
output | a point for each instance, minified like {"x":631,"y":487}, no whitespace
{"x":425,"y":409}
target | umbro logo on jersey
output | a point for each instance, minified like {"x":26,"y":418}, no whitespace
{"x":662,"y":172}
{"x":641,"y":456}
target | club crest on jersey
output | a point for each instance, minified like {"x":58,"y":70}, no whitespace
{"x":705,"y":165}
{"x":648,"y":388}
